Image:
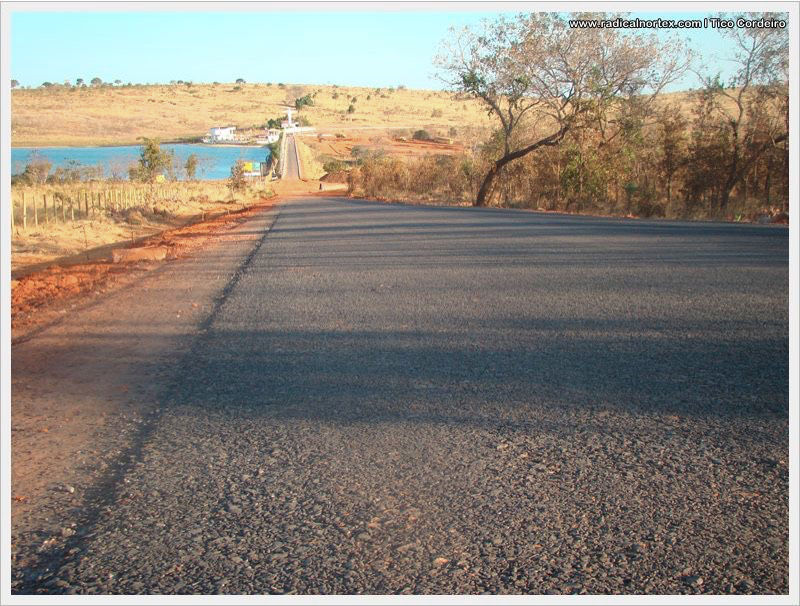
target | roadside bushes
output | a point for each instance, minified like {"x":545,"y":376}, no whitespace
{"x":334,"y":166}
{"x":447,"y":179}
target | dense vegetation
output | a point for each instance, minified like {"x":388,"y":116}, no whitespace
{"x":583,"y":126}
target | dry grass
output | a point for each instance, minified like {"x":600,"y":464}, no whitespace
{"x":148,"y":215}
{"x":61,"y":116}
{"x":311,"y":166}
{"x":108,"y":115}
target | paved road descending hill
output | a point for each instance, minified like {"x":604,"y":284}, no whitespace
{"x":292,"y":166}
{"x":391,"y":398}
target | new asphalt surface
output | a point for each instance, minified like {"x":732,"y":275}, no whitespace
{"x":402,"y":399}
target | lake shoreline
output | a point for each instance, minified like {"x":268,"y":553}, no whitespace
{"x":214,"y":160}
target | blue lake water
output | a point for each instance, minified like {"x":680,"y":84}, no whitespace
{"x":215,"y":160}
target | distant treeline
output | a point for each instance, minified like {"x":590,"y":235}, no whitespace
{"x":667,"y":164}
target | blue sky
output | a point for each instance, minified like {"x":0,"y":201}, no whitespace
{"x":379,"y":48}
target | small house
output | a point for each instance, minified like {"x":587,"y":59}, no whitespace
{"x":220,"y":134}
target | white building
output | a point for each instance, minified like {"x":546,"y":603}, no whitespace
{"x":220,"y":134}
{"x":272,"y":135}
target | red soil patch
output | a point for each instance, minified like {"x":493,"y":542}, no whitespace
{"x":56,"y":285}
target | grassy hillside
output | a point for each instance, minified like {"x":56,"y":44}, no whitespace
{"x":59,"y":116}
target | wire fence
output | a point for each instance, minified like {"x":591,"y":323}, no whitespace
{"x":34,"y":206}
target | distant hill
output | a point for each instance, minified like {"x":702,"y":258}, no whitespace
{"x":119,"y":115}
{"x":61,"y":116}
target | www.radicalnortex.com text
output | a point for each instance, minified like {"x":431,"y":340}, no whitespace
{"x":715,"y":22}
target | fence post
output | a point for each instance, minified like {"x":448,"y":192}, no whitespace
{"x":24,"y":211}
{"x":35,"y":212}
{"x":12,"y":213}
{"x":72,"y":210}
{"x":46,"y":218}
{"x":63,"y":210}
{"x":86,"y":202}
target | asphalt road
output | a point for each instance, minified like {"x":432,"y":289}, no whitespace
{"x":292,"y":167}
{"x":399,"y":399}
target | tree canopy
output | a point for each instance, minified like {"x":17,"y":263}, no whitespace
{"x":153,"y":161}
{"x":541,"y":78}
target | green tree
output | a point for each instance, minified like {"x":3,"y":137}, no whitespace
{"x":300,"y":102}
{"x":96,"y":81}
{"x":535,"y":70}
{"x":14,"y":84}
{"x":79,"y":82}
{"x":153,"y":161}
{"x":240,"y":81}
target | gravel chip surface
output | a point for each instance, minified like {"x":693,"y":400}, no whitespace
{"x":399,"y":399}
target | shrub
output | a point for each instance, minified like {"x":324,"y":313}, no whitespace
{"x":437,"y":113}
{"x":334,"y":166}
{"x":191,"y":166}
{"x":421,"y":135}
{"x":351,"y":109}
{"x":36,"y":170}
{"x":237,"y":182}
{"x":359,"y":151}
